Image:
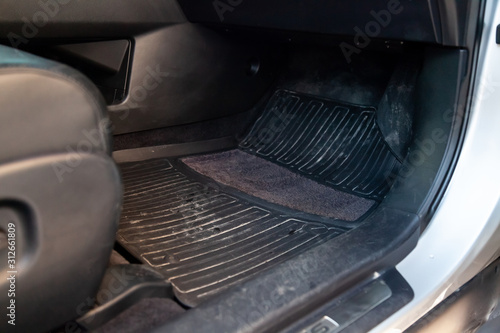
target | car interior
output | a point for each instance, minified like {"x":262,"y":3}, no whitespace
{"x":228,"y":165}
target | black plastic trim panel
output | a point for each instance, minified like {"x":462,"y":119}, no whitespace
{"x":23,"y":21}
{"x":360,"y":309}
{"x":391,"y":19}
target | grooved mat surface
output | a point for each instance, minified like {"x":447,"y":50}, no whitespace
{"x":202,"y":239}
{"x":336,"y":144}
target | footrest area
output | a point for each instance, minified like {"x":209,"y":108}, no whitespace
{"x":334,"y":143}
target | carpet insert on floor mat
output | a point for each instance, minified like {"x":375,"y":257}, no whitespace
{"x":265,"y":180}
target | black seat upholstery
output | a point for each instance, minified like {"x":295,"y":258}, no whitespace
{"x":59,"y":187}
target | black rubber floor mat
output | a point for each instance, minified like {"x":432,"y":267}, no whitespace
{"x":201,"y":238}
{"x":336,"y":144}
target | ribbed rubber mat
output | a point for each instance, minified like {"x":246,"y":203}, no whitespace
{"x":336,"y":144}
{"x":202,"y":239}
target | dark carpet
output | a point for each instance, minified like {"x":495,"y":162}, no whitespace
{"x":268,"y":181}
{"x":147,"y":314}
{"x":232,"y":125}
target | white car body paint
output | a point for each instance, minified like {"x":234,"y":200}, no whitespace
{"x":464,"y":234}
